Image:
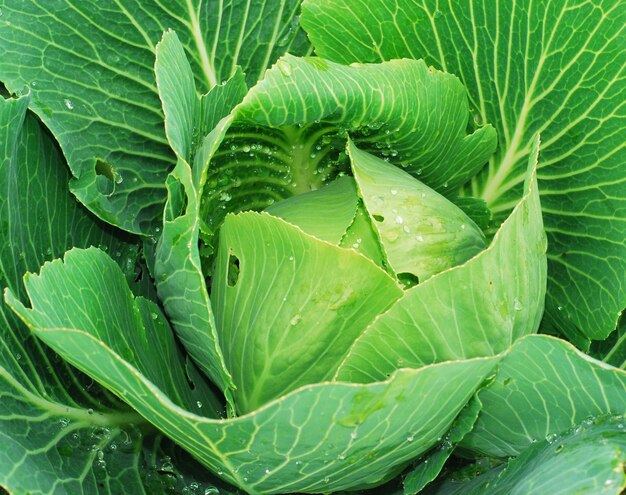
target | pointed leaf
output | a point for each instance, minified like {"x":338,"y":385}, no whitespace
{"x":422,"y":233}
{"x":288,"y":306}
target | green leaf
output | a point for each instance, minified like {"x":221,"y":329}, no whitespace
{"x":323,"y":437}
{"x":97,"y":93}
{"x":138,"y":325}
{"x":422,"y":233}
{"x":288,"y":306}
{"x":431,"y":464}
{"x":289,"y":134}
{"x":544,"y":386}
{"x":325,"y":213}
{"x":59,"y":432}
{"x":177,"y":259}
{"x":587,"y":460}
{"x":476,"y":309}
{"x":549,"y":68}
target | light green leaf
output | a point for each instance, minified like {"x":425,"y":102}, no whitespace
{"x":476,"y":309}
{"x":319,"y":438}
{"x":325,"y":213}
{"x":587,"y":460}
{"x":361,"y":237}
{"x":289,"y":134}
{"x":97,"y":92}
{"x":549,"y":68}
{"x":60,"y":433}
{"x":544,"y":386}
{"x":177,"y":259}
{"x":422,"y":233}
{"x":288,"y":306}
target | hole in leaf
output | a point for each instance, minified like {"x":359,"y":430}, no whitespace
{"x":408,"y":280}
{"x":105,"y":169}
{"x":232,"y":276}
{"x":379,"y":218}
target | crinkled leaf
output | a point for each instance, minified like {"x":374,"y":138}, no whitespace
{"x":587,"y":460}
{"x":549,"y":68}
{"x":138,"y":325}
{"x":288,"y":306}
{"x":289,"y":134}
{"x":544,"y":386}
{"x":59,"y":431}
{"x":422,"y":233}
{"x":476,"y":309}
{"x":325,"y":213}
{"x":96,"y":92}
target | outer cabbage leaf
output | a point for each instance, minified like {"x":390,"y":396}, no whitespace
{"x":59,"y":431}
{"x":544,"y":386}
{"x":554,"y":68}
{"x":323,"y":437}
{"x":476,"y":309}
{"x":97,"y":93}
{"x":587,"y":460}
{"x":288,"y":306}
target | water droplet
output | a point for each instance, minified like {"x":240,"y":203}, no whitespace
{"x":560,"y":308}
{"x":211,"y":491}
{"x":399,"y":220}
{"x":341,"y":457}
{"x":69,"y":104}
{"x":291,"y":258}
{"x":18,"y":356}
{"x":298,"y":463}
{"x":353,"y":435}
{"x":226,"y":197}
{"x":406,"y":229}
{"x":410,"y":438}
{"x":462,"y":226}
{"x":63,"y":422}
{"x":90,"y":411}
{"x":517,"y":304}
{"x":551,"y":437}
{"x":326,"y":479}
{"x":394,"y":192}
{"x":267,"y":471}
{"x":284,"y":68}
{"x":295,"y":320}
{"x":419,"y":238}
{"x":445,"y":184}
{"x":154,"y":316}
{"x":245,"y":148}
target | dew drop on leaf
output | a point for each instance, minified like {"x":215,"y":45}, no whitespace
{"x":69,"y":104}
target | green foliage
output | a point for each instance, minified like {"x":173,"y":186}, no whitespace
{"x":289,"y":273}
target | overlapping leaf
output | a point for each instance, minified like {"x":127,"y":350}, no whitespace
{"x":550,"y":67}
{"x":289,"y":134}
{"x":476,"y":309}
{"x":292,"y":309}
{"x":587,"y":460}
{"x":322,"y":437}
{"x":89,"y":66}
{"x":543,"y":387}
